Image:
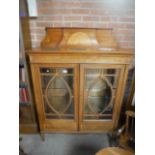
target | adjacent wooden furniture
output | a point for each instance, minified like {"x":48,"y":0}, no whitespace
{"x":127,"y":132}
{"x":126,"y":136}
{"x":27,"y":119}
{"x":114,"y":151}
{"x":79,"y":77}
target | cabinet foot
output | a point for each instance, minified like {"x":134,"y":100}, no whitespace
{"x":42,"y":135}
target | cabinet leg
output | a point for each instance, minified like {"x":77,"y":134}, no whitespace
{"x":42,"y":135}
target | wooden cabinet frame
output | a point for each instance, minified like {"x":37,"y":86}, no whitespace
{"x":78,"y":61}
{"x":54,"y":125}
{"x":100,"y":125}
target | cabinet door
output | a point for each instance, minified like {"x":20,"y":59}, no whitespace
{"x":101,"y":92}
{"x":57,"y":96}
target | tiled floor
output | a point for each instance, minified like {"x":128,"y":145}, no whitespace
{"x":64,"y":144}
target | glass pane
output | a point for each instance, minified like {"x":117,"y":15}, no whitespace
{"x":57,"y":89}
{"x":47,"y":70}
{"x":58,"y":70}
{"x":50,"y":114}
{"x":100,"y":91}
{"x":107,"y":115}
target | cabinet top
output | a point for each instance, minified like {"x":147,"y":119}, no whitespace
{"x":78,"y":39}
{"x":80,"y":45}
{"x":115,"y":57}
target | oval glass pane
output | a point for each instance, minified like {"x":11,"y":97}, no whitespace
{"x":58,"y":95}
{"x":99,"y":95}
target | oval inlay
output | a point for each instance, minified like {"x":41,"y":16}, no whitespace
{"x":58,"y":95}
{"x":79,"y":38}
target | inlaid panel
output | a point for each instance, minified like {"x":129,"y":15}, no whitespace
{"x":59,"y":38}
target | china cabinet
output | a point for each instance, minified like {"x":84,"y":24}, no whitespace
{"x":79,"y":77}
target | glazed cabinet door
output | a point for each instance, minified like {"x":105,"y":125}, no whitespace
{"x":56,"y":90}
{"x":101,"y":92}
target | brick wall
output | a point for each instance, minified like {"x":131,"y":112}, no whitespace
{"x":116,"y":14}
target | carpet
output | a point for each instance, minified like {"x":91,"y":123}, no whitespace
{"x":64,"y":144}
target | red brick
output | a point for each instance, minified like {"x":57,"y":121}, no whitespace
{"x":95,"y":14}
{"x":57,"y":4}
{"x":43,"y":3}
{"x":127,"y":19}
{"x":130,"y":26}
{"x":38,"y":30}
{"x":118,"y":37}
{"x":72,"y":18}
{"x":124,"y":31}
{"x":66,"y":4}
{"x":106,"y":18}
{"x":60,"y":24}
{"x":127,"y":44}
{"x":43,"y":11}
{"x":89,"y":4}
{"x":40,"y":37}
{"x":123,"y":44}
{"x":117,"y":25}
{"x":98,"y":12}
{"x":53,"y":18}
{"x":90,"y":18}
{"x":80,"y":11}
{"x":35,"y":44}
{"x":80,"y":24}
{"x":102,"y":25}
{"x":32,"y":23}
{"x":54,"y":11}
{"x":128,"y":38}
{"x":33,"y":36}
{"x":44,"y":24}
